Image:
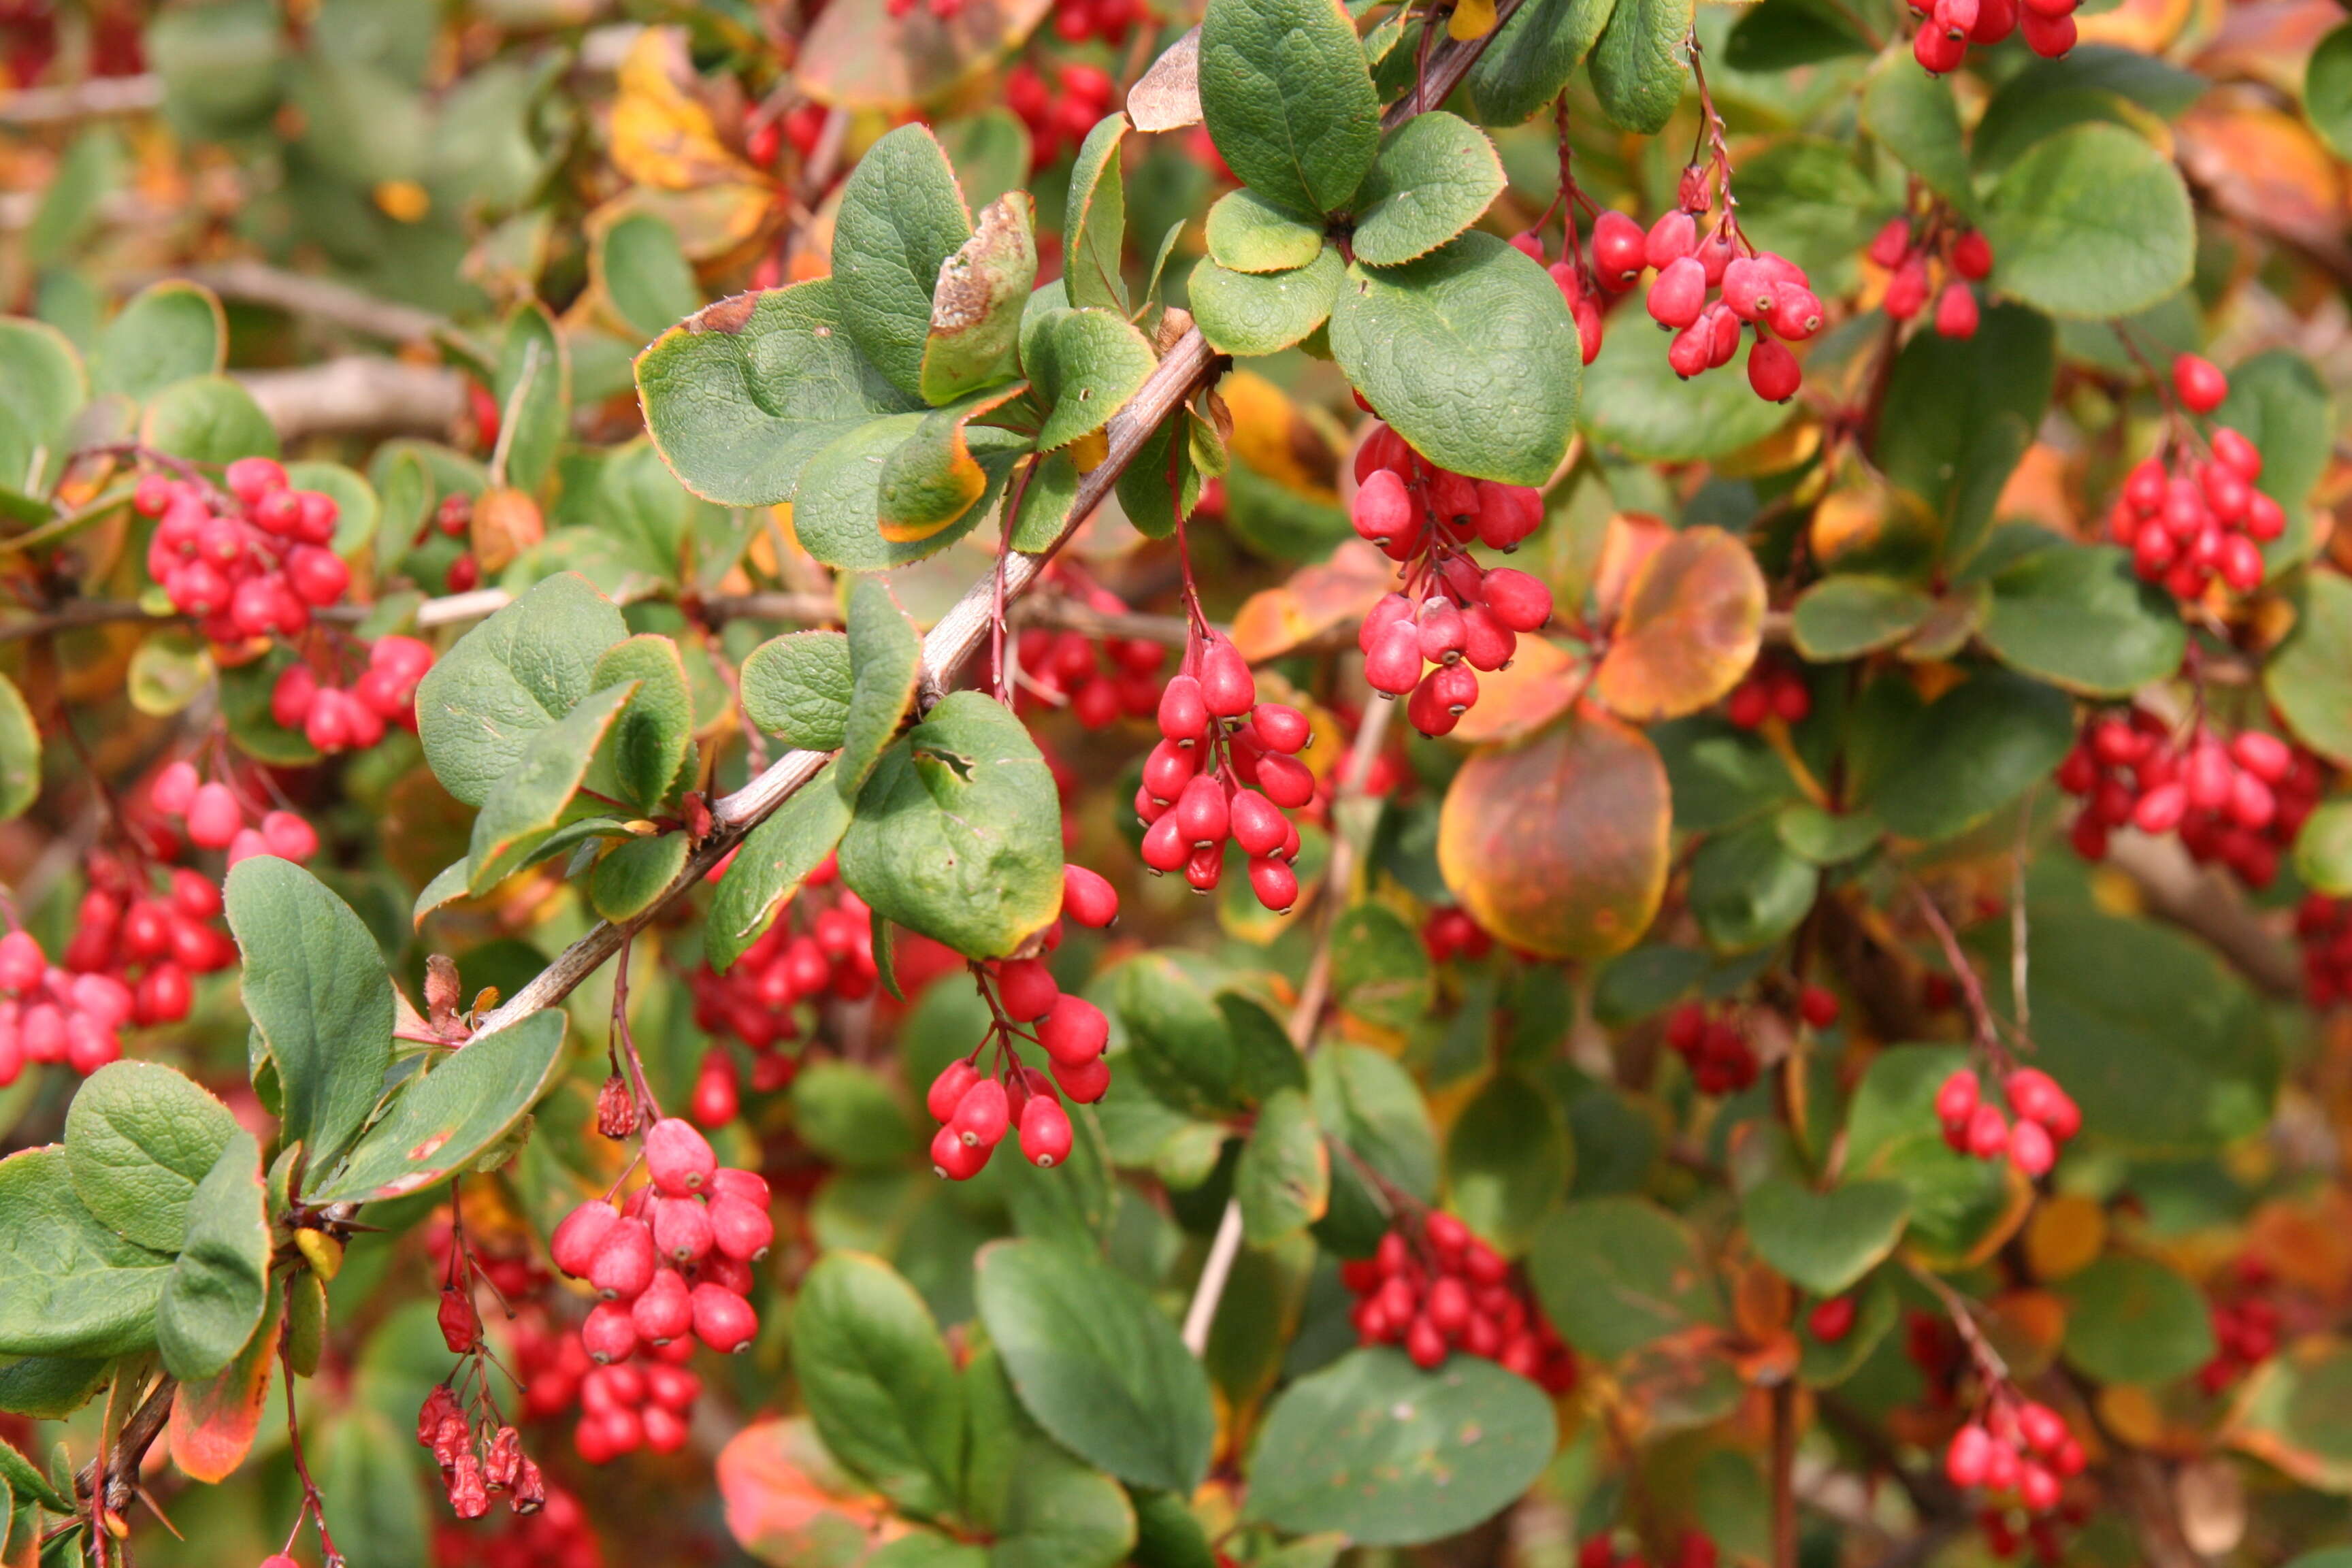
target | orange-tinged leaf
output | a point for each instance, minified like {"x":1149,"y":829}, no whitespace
{"x":2145,"y":26}
{"x":1275,"y":436}
{"x":1542,"y":683}
{"x":860,"y":56}
{"x":1761,"y":1301}
{"x":661,"y":136}
{"x":1557,"y":845}
{"x":1631,"y":539}
{"x":507,"y":523}
{"x":2066,"y":1233}
{"x":1692,"y":620}
{"x":2266,"y":166}
{"x":788,"y":1503}
{"x":1316,"y":600}
{"x":212,"y":1424}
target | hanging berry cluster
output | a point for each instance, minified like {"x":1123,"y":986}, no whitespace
{"x":1099,"y":682}
{"x":675,"y":1260}
{"x":217,"y":815}
{"x":1455,"y":616}
{"x":975,"y":1107}
{"x":478,"y":1454}
{"x":1916,"y":251}
{"x":1770,"y":689}
{"x":2245,"y":1330}
{"x":2190,"y":513}
{"x":558,"y":1535}
{"x":244,"y":561}
{"x":2240,"y":803}
{"x":1438,"y":1288}
{"x":2323,"y":928}
{"x":1947,"y":29}
{"x":2046,"y":1117}
{"x":1226,"y":767}
{"x":1721,"y":1060}
{"x":2015,"y":1446}
{"x":336,"y":718}
{"x":821,"y":944}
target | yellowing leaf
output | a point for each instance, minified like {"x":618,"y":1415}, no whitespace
{"x":661,"y":134}
{"x":1542,"y":683}
{"x":1274,"y":437}
{"x":1471,"y":19}
{"x":2065,"y":1235}
{"x":788,"y":1502}
{"x":212,"y":1424}
{"x":1316,"y":600}
{"x":1692,"y":621}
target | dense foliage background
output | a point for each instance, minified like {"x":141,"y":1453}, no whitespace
{"x":1730,"y":942}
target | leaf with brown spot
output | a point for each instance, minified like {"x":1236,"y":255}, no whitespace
{"x":1692,"y":620}
{"x":859,"y":55}
{"x":789,"y":1503}
{"x":213,"y":1422}
{"x":1558,"y":846}
{"x":976,"y":306}
{"x":1316,"y":599}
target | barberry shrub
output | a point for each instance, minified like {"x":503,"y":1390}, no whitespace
{"x":1049,"y":783}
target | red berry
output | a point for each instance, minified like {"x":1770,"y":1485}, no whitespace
{"x":956,"y":1159}
{"x":1075,"y":1032}
{"x":623,"y":1261}
{"x":1027,"y":988}
{"x":577,"y":1238}
{"x":1772,"y":371}
{"x":1833,"y":1320}
{"x":2199,"y":381}
{"x":723,"y":1320}
{"x":982,"y":1114}
{"x":678,"y":1157}
{"x":1968,"y":1459}
{"x":610,"y":1333}
{"x":948,"y":1088}
{"x":664,"y":1310}
{"x":1620,"y":250}
{"x":1045,"y":1132}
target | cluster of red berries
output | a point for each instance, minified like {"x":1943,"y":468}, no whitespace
{"x":454,"y":518}
{"x":246,"y":562}
{"x":675,"y":1260}
{"x":2322,"y":927}
{"x":2046,"y":1117}
{"x":50,"y":1016}
{"x":1098,"y":682}
{"x":1947,"y":29}
{"x":2241,"y":801}
{"x":2188,"y":518}
{"x":1753,"y":289}
{"x":548,"y":1360}
{"x":557,"y":1536}
{"x":1075,"y":21}
{"x":214,"y":818}
{"x":1453,"y":617}
{"x":1576,"y":282}
{"x":354,"y":718}
{"x":630,"y":1406}
{"x":1770,"y":689}
{"x":820,"y":944}
{"x":1444,"y":1290}
{"x":974,"y":1107}
{"x":1450,"y":933}
{"x":1916,"y":252}
{"x":801,"y":127}
{"x":473,"y":1465}
{"x":2017,"y":1447}
{"x":1226,"y":767}
{"x":1060,"y":114}
{"x":1720,"y":1059}
{"x":1693,"y":1548}
{"x":2245,"y":1330}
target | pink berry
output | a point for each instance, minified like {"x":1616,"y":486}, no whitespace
{"x":678,"y":1157}
{"x":723,"y":1320}
{"x":1045,"y":1132}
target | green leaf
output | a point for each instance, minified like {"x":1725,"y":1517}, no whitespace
{"x":2309,"y":678}
{"x":1436,"y":175}
{"x":850,"y":1115}
{"x":933,"y":478}
{"x":1371,"y":1104}
{"x":530,"y":799}
{"x":26,"y":1483}
{"x":958,"y":835}
{"x":532,"y":383}
{"x":1856,"y":613}
{"x":1179,"y":1039}
{"x":631,"y":877}
{"x":797,"y":687}
{"x":1525,"y":68}
{"x":975,"y":309}
{"x":1247,"y":233}
{"x":902,"y":216}
{"x":1824,"y":1241}
{"x":511,"y":679}
{"x":1247,"y":314}
{"x":1972,"y":751}
{"x":1289,"y":100}
{"x":68,"y":1286}
{"x":1087,"y":364}
{"x":50,"y":1388}
{"x":1045,"y":1507}
{"x":2278,"y":402}
{"x":2079,"y":616}
{"x":20,"y":752}
{"x":646,"y":274}
{"x":1634,"y":402}
{"x":2132,"y":1320}
{"x":207,"y":419}
{"x":1914,"y":116}
{"x":2328,"y":89}
{"x":1096,"y":1362}
{"x":1617,"y":1274}
{"x":743,"y":394}
{"x":1146,"y":492}
{"x":1778,"y":33}
{"x":140,"y":1136}
{"x":651,"y":737}
{"x":320,"y":998}
{"x":369,"y":1490}
{"x":1507,"y":1158}
{"x":216,"y":1294}
{"x":1747,"y":889}
{"x":1891,"y":1134}
{"x":2323,"y":850}
{"x":1283,"y":1181}
{"x":1638,"y":65}
{"x":169,"y":331}
{"x":1388,"y":1455}
{"x":1096,"y":220}
{"x":2093,"y":222}
{"x":1960,"y":412}
{"x":769,"y":864}
{"x":886,"y":656}
{"x":837,"y":510}
{"x":1470,"y":353}
{"x":1826,"y":1364}
{"x":879,"y":1383}
{"x":1380,"y":971}
{"x":1825,"y":838}
{"x":440,"y":1120}
{"x":42,"y":385}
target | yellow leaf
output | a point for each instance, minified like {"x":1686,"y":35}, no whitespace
{"x":661,"y":134}
{"x":2065,"y":1235}
{"x":1471,"y":19}
{"x":1276,"y":438}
